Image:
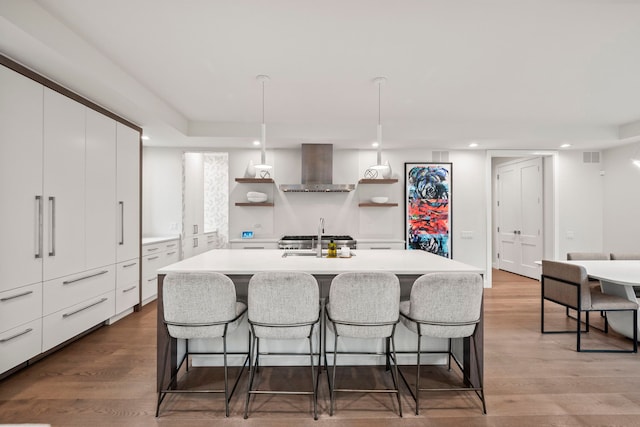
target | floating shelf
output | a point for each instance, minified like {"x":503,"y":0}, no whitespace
{"x":255,"y":180}
{"x":375,"y":205}
{"x":254,"y":204}
{"x":378,"y":181}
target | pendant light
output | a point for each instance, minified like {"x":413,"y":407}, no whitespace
{"x":263,"y":166}
{"x":379,"y":167}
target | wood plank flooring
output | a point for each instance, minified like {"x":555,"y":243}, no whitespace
{"x":108,"y":379}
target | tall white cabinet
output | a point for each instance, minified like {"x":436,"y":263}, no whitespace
{"x":69,"y":217}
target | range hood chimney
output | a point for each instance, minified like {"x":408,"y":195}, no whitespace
{"x":317,"y":172}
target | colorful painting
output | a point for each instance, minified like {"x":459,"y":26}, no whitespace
{"x":428,"y":207}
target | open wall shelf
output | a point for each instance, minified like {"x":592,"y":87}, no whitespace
{"x":255,"y":180}
{"x":378,"y":181}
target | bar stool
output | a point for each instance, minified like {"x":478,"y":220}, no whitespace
{"x":444,"y":305}
{"x":363,"y":305}
{"x":196,"y":306}
{"x":283,"y":305}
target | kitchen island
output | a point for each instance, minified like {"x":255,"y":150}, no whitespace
{"x":240,"y":265}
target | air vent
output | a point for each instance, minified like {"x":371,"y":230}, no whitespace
{"x":440,"y":156}
{"x":591,"y":157}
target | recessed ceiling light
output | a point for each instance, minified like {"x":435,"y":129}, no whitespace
{"x":565,"y":145}
{"x":145,"y":138}
{"x":374,"y":144}
{"x":473,"y":144}
{"x":256,"y":142}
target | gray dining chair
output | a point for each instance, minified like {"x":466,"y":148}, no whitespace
{"x":444,"y":305}
{"x":593,"y":283}
{"x":568,"y":285}
{"x":284,"y":305}
{"x":628,"y":257}
{"x":363,"y":305}
{"x":201,"y":306}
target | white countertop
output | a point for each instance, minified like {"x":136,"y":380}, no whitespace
{"x":247,"y":261}
{"x":150,"y":240}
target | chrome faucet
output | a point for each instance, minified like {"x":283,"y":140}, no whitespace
{"x":320,"y":232}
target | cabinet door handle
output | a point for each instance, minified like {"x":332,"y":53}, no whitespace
{"x":15,"y":296}
{"x":152,"y":258}
{"x":195,"y":242}
{"x":129,"y":265}
{"x":121,"y":204}
{"x":19,"y":334}
{"x":84,"y":308}
{"x":151,"y":280}
{"x":195,"y":228}
{"x":52,"y":226}
{"x":67,"y":282}
{"x":39,"y":227}
{"x":171,"y":245}
{"x":152,"y":249}
{"x":129,"y":289}
{"x":171,"y":253}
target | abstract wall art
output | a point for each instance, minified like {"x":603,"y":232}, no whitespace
{"x":428,"y":207}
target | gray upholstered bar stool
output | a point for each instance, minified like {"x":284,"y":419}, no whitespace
{"x":283,"y":305}
{"x":196,"y":306}
{"x":363,"y":305}
{"x":444,"y":305}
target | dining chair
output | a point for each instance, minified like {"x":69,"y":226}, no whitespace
{"x":201,"y":306}
{"x":448,"y":306}
{"x":363,"y":305}
{"x":283,"y":306}
{"x":593,"y":283}
{"x":568,"y":285}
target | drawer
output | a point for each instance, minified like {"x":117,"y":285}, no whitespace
{"x":20,"y":344}
{"x":172,"y":245}
{"x":74,"y":289}
{"x":149,"y":287}
{"x":151,"y":264}
{"x":127,"y":272}
{"x":65,"y":324}
{"x":127,"y":296}
{"x":20,"y":305}
{"x":152,"y":248}
{"x":171,"y":256}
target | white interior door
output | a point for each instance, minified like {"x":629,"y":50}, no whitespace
{"x":520,"y":216}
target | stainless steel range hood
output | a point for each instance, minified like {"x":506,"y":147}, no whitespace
{"x":317,"y":172}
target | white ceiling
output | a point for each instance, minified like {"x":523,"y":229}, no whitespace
{"x":505,"y":73}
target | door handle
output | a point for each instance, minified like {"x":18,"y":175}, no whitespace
{"x":121,"y":242}
{"x":39,"y":227}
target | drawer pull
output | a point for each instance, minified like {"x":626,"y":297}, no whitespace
{"x":19,"y":334}
{"x":171,"y":253}
{"x":380,"y":247}
{"x":171,"y":246}
{"x":152,"y":249}
{"x":253,"y":247}
{"x":67,"y":282}
{"x":129,"y":265}
{"x":151,"y":280}
{"x":84,"y":308}
{"x":129,"y":289}
{"x":15,"y":296}
{"x":152,"y":258}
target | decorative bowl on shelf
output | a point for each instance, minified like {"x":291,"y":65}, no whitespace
{"x":379,"y":199}
{"x":256,"y":197}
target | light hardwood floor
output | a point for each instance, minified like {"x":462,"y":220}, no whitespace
{"x":108,"y":378}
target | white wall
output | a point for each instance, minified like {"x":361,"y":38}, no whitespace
{"x":298,"y":213}
{"x":580,"y":190}
{"x":621,"y":217}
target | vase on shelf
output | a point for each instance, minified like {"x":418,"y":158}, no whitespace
{"x":250,"y":172}
{"x":386,"y":172}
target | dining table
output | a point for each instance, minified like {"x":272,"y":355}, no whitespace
{"x":617,"y":277}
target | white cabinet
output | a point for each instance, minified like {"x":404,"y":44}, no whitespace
{"x":156,"y":253}
{"x":100,"y":189}
{"x":20,"y":180}
{"x":127,"y":285}
{"x":193,"y":195}
{"x":64,"y":185}
{"x":128,"y":192}
{"x":59,"y":215}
